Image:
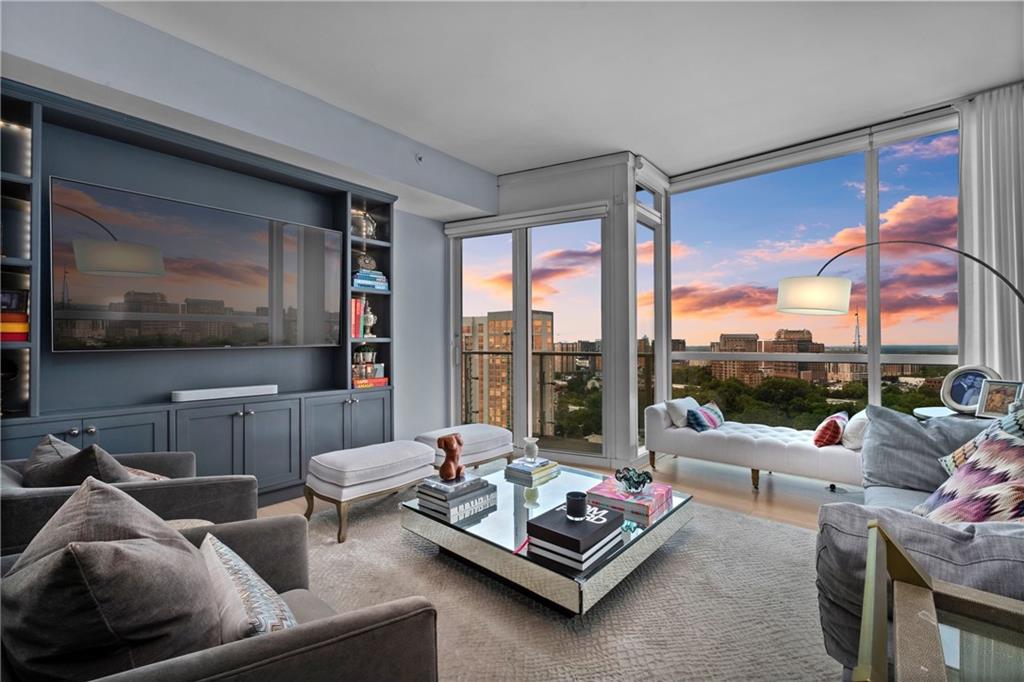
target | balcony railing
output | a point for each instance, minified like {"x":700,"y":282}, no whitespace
{"x":567,"y":394}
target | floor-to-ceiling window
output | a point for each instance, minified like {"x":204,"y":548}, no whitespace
{"x":566,"y":367}
{"x":738,"y":238}
{"x":486,"y":331}
{"x":645,"y":346}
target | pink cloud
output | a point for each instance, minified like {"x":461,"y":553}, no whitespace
{"x":947,"y":145}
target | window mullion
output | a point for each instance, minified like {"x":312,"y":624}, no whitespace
{"x":522,"y":336}
{"x":873,"y":283}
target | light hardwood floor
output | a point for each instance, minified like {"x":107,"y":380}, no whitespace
{"x":789,"y":499}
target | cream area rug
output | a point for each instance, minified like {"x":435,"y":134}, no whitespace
{"x":729,"y":597}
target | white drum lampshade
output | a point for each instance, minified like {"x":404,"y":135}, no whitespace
{"x":117,"y":259}
{"x":814,"y":295}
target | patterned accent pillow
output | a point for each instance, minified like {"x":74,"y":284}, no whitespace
{"x":1012,"y":423}
{"x":707,"y":416}
{"x":264,"y":608}
{"x":998,"y":459}
{"x":143,"y":475}
{"x":830,"y":431}
{"x":1000,"y":502}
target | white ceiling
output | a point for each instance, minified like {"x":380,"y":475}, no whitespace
{"x":512,"y":86}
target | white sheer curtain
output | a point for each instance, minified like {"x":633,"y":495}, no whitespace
{"x":992,"y":228}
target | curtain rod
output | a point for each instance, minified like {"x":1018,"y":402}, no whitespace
{"x":962,"y":98}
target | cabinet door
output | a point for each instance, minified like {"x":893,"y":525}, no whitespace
{"x":19,"y":440}
{"x":215,"y":435}
{"x":369,"y":419}
{"x":272,"y":442}
{"x":141,"y":432}
{"x":324,"y":426}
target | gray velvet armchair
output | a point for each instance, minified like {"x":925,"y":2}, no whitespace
{"x":396,"y":640}
{"x":218,"y":499}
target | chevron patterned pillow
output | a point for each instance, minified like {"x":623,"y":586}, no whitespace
{"x":999,"y":502}
{"x":1012,"y":423}
{"x":707,"y":416}
{"x":998,"y":459}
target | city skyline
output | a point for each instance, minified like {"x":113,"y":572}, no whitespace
{"x":764,"y":228}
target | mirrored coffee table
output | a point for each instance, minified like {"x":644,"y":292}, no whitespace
{"x":496,"y":543}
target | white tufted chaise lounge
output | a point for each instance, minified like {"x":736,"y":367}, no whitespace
{"x":753,"y":446}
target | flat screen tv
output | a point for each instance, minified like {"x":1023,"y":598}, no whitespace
{"x":133,"y":271}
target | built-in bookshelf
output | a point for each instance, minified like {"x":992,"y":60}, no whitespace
{"x":369,"y":293}
{"x":20,"y":131}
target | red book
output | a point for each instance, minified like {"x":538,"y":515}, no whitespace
{"x":357,"y":318}
{"x":370,"y":383}
{"x":12,"y":316}
{"x":13,"y":336}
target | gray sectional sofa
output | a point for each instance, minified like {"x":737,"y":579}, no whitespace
{"x":900,"y":471}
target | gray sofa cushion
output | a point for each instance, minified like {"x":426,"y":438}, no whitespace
{"x":105,"y":586}
{"x":54,"y":463}
{"x":894,"y":498}
{"x":902,"y":452}
{"x":986,"y":556}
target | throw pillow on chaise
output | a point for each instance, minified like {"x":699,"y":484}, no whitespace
{"x":853,"y":434}
{"x":901,"y":452}
{"x":830,"y":431}
{"x":104,"y":587}
{"x":707,"y":416}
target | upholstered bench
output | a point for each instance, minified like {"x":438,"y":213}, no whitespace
{"x":480,"y":443}
{"x":346,"y":476}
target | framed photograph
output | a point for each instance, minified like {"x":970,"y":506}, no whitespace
{"x":996,"y":397}
{"x":961,"y":389}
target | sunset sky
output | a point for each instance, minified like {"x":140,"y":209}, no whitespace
{"x":731,"y":244}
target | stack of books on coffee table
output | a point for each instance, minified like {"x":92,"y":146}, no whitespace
{"x":531,"y":474}
{"x":463,"y":501}
{"x":564,"y":545}
{"x":643,"y":508}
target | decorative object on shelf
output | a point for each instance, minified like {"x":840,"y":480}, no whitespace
{"x":369,"y":319}
{"x":961,"y":388}
{"x":817,"y":295}
{"x":576,"y":505}
{"x":997,"y":397}
{"x":633,"y":481}
{"x":363,"y":224}
{"x":531,"y":450}
{"x":452,"y":445}
{"x":531,"y":497}
{"x":365,"y":261}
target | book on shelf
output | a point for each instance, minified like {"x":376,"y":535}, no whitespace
{"x":13,"y":336}
{"x":577,"y":562}
{"x":357,"y":318}
{"x":376,"y":382}
{"x":449,"y":489}
{"x":639,"y":507}
{"x":370,"y":285}
{"x":575,"y":536}
{"x":372,"y":274}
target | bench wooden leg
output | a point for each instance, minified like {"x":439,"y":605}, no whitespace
{"x":755,"y":477}
{"x":652,"y":456}
{"x":309,"y":501}
{"x":342,"y":521}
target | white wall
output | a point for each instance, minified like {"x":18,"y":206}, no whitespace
{"x":420,"y":325}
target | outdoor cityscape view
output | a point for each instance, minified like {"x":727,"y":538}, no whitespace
{"x":730,"y":245}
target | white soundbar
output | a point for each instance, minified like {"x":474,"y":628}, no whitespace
{"x":227,"y":392}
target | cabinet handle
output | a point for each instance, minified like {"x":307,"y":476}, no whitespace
{"x":74,"y":432}
{"x":355,"y":400}
{"x":90,"y":430}
{"x":249,"y":413}
{"x":239,"y":414}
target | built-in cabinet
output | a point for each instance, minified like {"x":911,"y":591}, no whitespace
{"x":271,"y":438}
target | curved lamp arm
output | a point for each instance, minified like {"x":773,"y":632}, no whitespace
{"x":982,"y":263}
{"x":87,"y":217}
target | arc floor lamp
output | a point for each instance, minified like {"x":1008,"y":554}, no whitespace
{"x":824,"y":295}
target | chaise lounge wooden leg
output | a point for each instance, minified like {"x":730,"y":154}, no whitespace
{"x":342,"y":521}
{"x":509,"y":457}
{"x":309,"y":501}
{"x":652,"y":456}
{"x":755,"y":477}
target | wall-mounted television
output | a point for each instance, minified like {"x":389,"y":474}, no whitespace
{"x":134,"y":271}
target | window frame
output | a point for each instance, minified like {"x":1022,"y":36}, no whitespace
{"x":868,"y":141}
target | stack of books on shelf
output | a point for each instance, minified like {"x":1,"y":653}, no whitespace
{"x":463,"y":501}
{"x":370,"y":279}
{"x":531,"y":474}
{"x":13,"y":325}
{"x":561,"y":544}
{"x":642,"y":508}
{"x":375,"y":382}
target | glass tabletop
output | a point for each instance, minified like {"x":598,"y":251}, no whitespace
{"x":976,"y":650}
{"x":505,"y":527}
